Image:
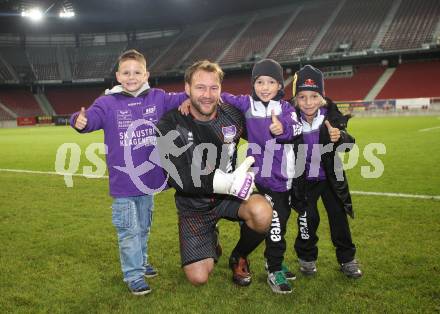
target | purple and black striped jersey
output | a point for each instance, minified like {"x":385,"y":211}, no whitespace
{"x":207,"y":146}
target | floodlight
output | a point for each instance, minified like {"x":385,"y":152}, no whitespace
{"x":34,"y":14}
{"x":66,"y":14}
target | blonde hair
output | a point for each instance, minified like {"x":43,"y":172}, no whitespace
{"x":132,"y":54}
{"x":204,"y":65}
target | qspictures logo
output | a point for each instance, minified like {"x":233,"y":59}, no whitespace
{"x":68,"y":158}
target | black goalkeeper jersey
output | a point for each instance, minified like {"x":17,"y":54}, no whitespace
{"x":195,"y":149}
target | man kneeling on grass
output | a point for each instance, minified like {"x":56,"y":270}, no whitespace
{"x":199,"y":153}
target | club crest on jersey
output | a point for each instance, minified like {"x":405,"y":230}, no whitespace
{"x":124,"y":113}
{"x":229,"y":133}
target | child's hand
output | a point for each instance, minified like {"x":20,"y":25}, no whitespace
{"x":335,"y":133}
{"x":184,"y":107}
{"x":276,"y":128}
{"x":81,"y":120}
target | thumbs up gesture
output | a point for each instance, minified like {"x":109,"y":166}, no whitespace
{"x":276,"y":127}
{"x":81,"y":120}
{"x":335,"y":133}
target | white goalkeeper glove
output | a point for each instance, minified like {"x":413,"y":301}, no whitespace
{"x":240,"y":183}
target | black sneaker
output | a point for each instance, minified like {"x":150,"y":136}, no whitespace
{"x":139,"y":287}
{"x":240,"y":271}
{"x":351,"y":269}
{"x":278,"y":282}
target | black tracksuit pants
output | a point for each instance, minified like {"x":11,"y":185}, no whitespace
{"x":275,"y":240}
{"x":308,"y":222}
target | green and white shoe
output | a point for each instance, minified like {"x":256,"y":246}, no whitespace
{"x":278,"y":282}
{"x":287,"y":273}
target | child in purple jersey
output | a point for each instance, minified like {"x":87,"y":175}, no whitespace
{"x":128,"y":114}
{"x":323,"y":125}
{"x":271,"y":121}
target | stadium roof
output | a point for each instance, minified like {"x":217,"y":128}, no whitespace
{"x":121,"y":15}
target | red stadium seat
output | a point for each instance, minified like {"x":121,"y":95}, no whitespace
{"x":66,"y":100}
{"x":21,"y":101}
{"x":413,"y":80}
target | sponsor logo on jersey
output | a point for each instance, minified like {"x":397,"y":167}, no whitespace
{"x":229,"y":133}
{"x":150,"y":114}
{"x":149,"y":110}
{"x":124,"y":118}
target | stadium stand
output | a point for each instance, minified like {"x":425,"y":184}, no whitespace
{"x":44,"y":63}
{"x":94,"y":62}
{"x":234,"y":83}
{"x":152,"y":48}
{"x":300,"y":34}
{"x":171,"y":86}
{"x":216,"y":41}
{"x":413,"y":80}
{"x":183,"y":44}
{"x":5,"y":115}
{"x":5,"y":75}
{"x":237,"y":39}
{"x":355,"y":87}
{"x":413,"y":25}
{"x":356,"y":26}
{"x":18,"y":60}
{"x":67,"y":100}
{"x":20,"y":101}
{"x":237,"y":84}
{"x":255,"y":39}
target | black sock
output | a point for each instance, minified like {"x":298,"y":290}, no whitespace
{"x":249,"y":240}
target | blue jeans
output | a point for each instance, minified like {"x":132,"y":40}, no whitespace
{"x":132,"y":217}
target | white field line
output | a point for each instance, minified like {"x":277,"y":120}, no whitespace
{"x":433,"y":197}
{"x":429,"y":129}
{"x":428,"y":197}
{"x":53,"y":173}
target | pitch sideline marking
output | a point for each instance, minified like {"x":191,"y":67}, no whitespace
{"x":429,"y":129}
{"x":403,"y":195}
{"x":91,"y":176}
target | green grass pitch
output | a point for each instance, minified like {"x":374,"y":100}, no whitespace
{"x":59,"y":250}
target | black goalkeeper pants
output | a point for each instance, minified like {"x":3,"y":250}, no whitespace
{"x":308,"y":222}
{"x":275,"y":240}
